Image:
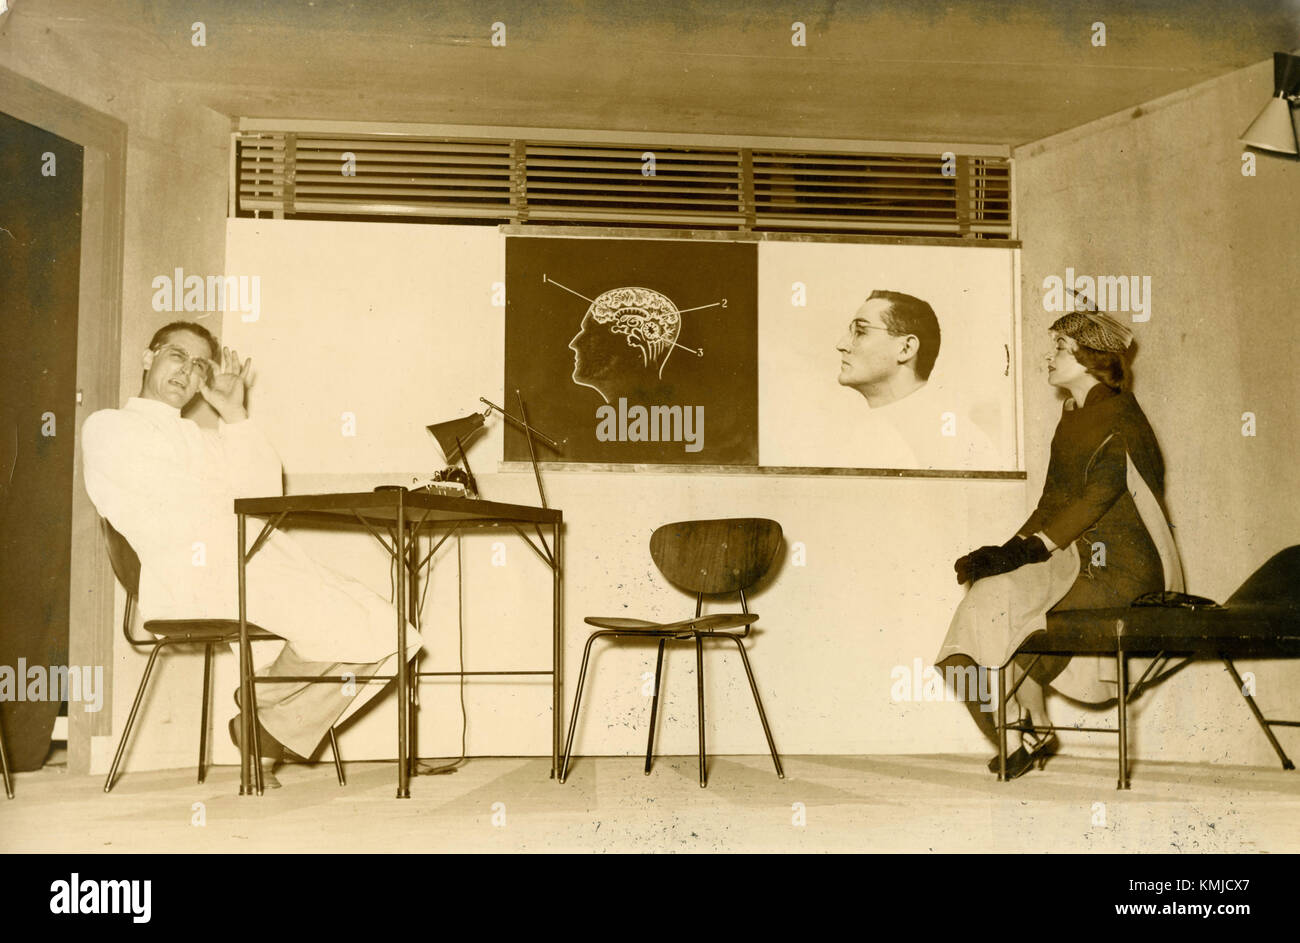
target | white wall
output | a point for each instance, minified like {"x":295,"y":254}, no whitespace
{"x":389,"y":318}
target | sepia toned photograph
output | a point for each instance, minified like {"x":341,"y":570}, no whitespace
{"x":728,"y":427}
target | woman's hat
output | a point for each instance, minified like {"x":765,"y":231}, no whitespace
{"x":1093,"y":328}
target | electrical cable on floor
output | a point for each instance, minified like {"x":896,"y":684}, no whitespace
{"x":460,"y":624}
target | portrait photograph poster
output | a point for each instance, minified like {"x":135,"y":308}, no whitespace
{"x":964,"y":418}
{"x":633,"y":351}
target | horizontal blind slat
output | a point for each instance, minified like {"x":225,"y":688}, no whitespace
{"x":611,"y":184}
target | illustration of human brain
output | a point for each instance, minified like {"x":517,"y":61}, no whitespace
{"x":650,"y":320}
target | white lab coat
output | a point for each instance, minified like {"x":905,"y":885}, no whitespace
{"x":168,"y":485}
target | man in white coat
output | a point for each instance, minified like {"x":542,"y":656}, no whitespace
{"x":167,"y":485}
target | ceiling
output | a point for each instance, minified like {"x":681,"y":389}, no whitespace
{"x":978,"y":71}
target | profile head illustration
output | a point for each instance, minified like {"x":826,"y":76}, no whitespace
{"x":889,"y":348}
{"x":626,"y":337}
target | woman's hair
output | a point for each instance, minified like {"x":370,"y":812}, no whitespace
{"x":1109,"y":367}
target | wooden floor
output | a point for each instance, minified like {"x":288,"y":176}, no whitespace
{"x":846,"y":803}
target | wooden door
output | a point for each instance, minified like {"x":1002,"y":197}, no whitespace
{"x":40,"y":257}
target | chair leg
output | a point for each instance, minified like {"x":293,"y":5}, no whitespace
{"x":753,"y":687}
{"x":577,"y":700}
{"x":130,"y":719}
{"x":256,"y":728}
{"x":699,"y":693}
{"x":654,"y":708}
{"x":4,"y":765}
{"x":203,"y":716}
{"x":338,"y":761}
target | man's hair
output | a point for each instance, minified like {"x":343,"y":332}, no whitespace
{"x":164,"y":333}
{"x":908,"y":315}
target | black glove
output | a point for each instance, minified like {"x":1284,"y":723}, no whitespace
{"x":990,"y":561}
{"x":963,"y":564}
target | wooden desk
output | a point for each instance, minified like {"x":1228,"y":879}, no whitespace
{"x":401,"y":515}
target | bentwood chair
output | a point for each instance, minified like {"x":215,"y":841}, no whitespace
{"x":707,"y":558}
{"x":163,"y":632}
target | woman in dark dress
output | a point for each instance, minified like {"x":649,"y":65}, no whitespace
{"x":1097,"y":539}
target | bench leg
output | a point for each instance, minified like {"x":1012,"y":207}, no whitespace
{"x":1259,"y":716}
{"x":1121,"y":672}
{"x":1002,"y":723}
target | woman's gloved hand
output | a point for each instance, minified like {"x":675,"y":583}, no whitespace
{"x":963,"y":564}
{"x":990,"y":561}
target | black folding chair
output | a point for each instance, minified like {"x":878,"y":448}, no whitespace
{"x":165,"y":632}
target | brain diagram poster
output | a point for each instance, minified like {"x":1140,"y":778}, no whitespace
{"x":634,"y":351}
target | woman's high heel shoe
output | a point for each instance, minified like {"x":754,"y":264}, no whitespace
{"x":1041,"y":749}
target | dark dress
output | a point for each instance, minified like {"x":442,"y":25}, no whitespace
{"x":1102,"y":506}
{"x":1086,"y":500}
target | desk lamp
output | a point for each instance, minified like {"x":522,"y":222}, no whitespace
{"x":453,"y":435}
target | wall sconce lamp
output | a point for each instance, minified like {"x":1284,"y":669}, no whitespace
{"x":1275,"y":129}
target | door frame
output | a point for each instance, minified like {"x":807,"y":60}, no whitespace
{"x":99,"y":344}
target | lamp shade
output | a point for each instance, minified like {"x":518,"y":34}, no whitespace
{"x":446,"y":434}
{"x":1273,"y":130}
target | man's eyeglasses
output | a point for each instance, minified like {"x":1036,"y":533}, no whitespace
{"x":860,"y":327}
{"x":181,"y":358}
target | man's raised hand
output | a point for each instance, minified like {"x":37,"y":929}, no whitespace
{"x":228,"y":386}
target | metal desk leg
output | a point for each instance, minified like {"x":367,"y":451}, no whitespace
{"x":1121,"y":666}
{"x":244,"y":663}
{"x":403,"y":669}
{"x":557,"y":648}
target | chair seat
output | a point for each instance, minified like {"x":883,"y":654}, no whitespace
{"x":712,"y":623}
{"x":205,"y":629}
